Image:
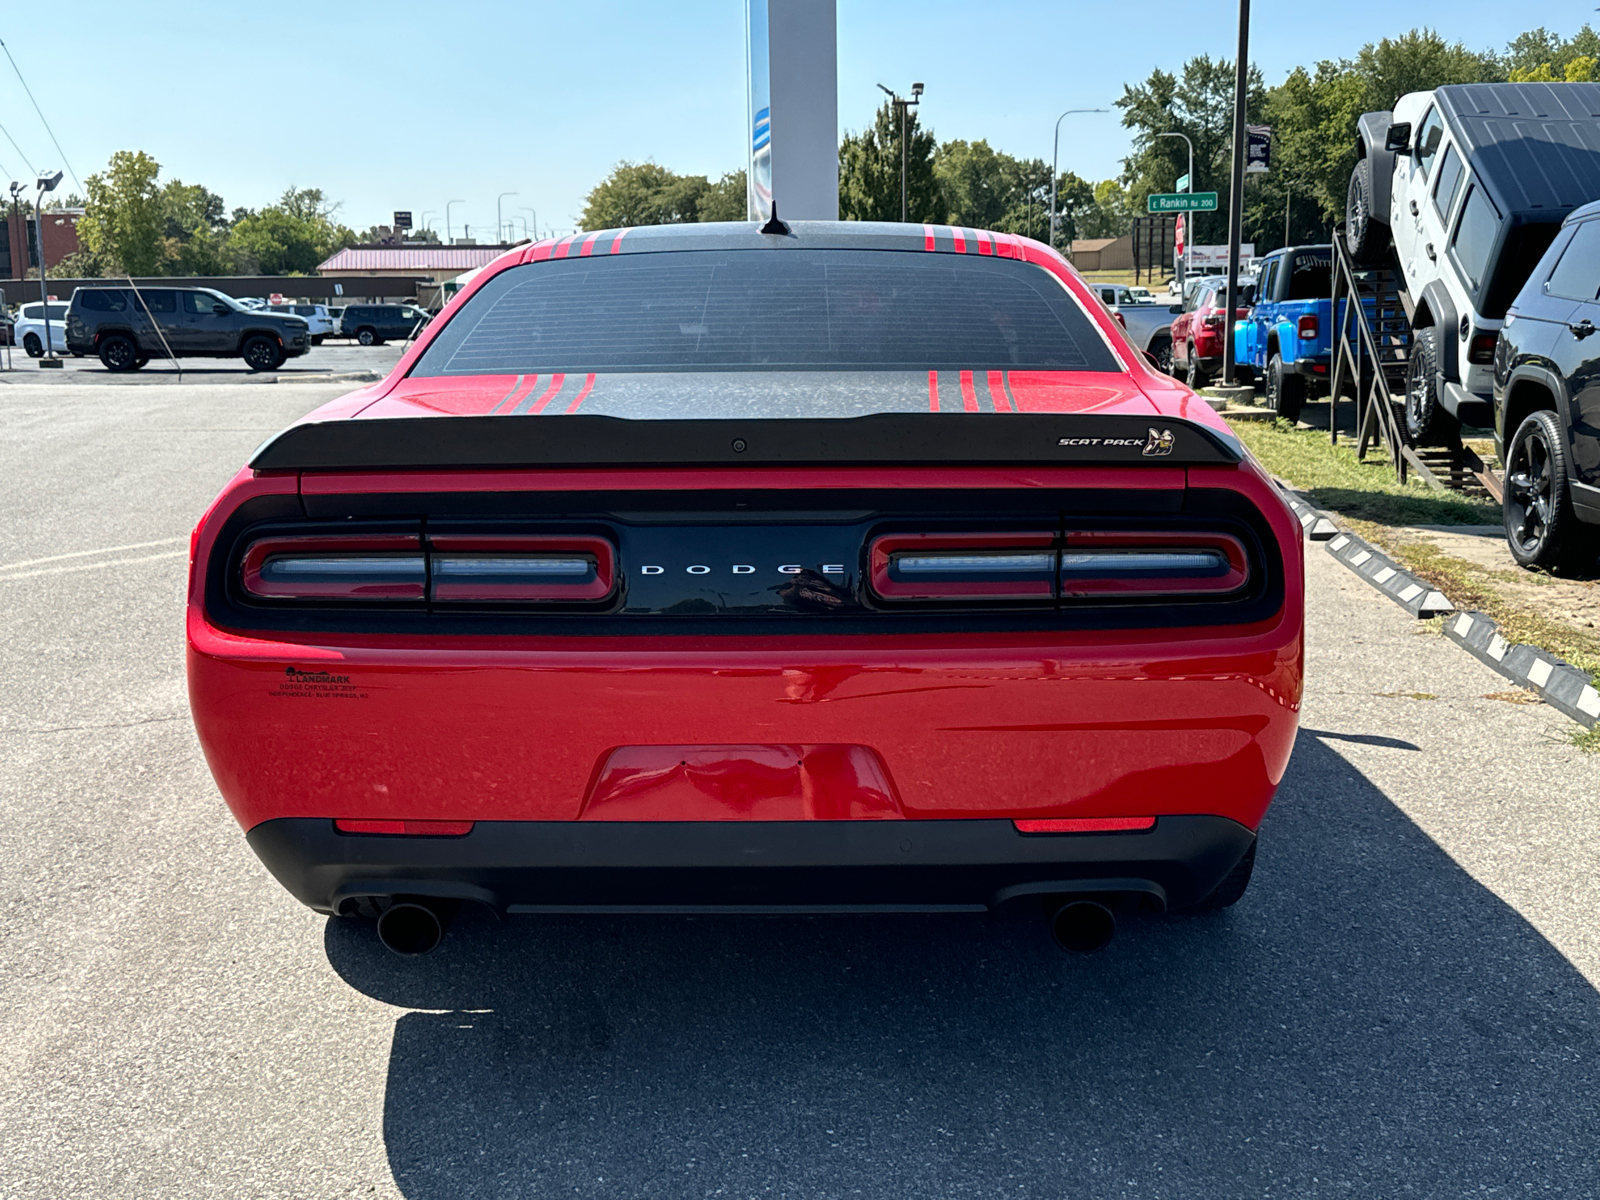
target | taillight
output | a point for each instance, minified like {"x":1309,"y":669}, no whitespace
{"x":1121,"y":320}
{"x":451,"y":569}
{"x":964,"y":566}
{"x":1085,"y":824}
{"x":1306,"y":327}
{"x":1035,"y":567}
{"x":1481,"y":349}
{"x":336,"y":568}
{"x":487,"y":570}
{"x":1100,"y":564}
{"x":405,"y":828}
{"x":1212,"y":320}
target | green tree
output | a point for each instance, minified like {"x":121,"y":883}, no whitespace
{"x":725,"y":200}
{"x":644,"y":194}
{"x":1540,"y":56}
{"x":290,"y":237}
{"x":194,"y":231}
{"x":1198,"y":103}
{"x":869,"y":172}
{"x":124,"y":222}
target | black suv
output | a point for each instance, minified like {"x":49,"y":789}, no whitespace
{"x":374,"y":324}
{"x":1547,"y":402}
{"x":128,"y":327}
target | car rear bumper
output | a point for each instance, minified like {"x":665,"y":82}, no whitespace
{"x":555,"y":866}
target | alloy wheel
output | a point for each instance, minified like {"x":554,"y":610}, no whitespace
{"x":1530,"y":487}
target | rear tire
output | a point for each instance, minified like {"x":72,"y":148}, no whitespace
{"x":1194,"y":375}
{"x":261,"y":353}
{"x":118,"y":353}
{"x":1232,"y":888}
{"x":1427,"y":422}
{"x":367,"y":337}
{"x":1162,"y":352}
{"x":1366,"y":233}
{"x":317,"y":341}
{"x":1542,"y":530}
{"x":32,"y":344}
{"x":1286,"y":391}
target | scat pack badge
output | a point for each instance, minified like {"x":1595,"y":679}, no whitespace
{"x":1159,"y":443}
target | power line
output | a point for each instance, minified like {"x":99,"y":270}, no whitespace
{"x":18,"y":149}
{"x":46,"y":124}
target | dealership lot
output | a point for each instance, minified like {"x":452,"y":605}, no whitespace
{"x":341,"y":358}
{"x":1404,"y":1003}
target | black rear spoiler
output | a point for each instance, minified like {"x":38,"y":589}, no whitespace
{"x":881,"y":439}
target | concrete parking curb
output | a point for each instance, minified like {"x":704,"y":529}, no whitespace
{"x":1417,"y":596}
{"x":1318,"y":525}
{"x":1558,"y":684}
{"x":345,"y":377}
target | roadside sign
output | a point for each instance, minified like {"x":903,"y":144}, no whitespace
{"x":1179,"y":235}
{"x":1183,"y":183}
{"x":1258,"y":149}
{"x":402,"y":220}
{"x":338,"y":289}
{"x":1173,"y":202}
{"x":275,"y":298}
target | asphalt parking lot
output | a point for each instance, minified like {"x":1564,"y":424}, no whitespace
{"x":1403,"y":1005}
{"x":338,"y":357}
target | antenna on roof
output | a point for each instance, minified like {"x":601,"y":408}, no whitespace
{"x":773,"y":225}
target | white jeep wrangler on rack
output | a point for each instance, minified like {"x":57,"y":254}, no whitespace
{"x":1467,"y":185}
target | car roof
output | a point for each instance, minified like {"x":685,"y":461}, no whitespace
{"x":1535,"y":147}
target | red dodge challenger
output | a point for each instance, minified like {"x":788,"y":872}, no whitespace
{"x":714,"y":568}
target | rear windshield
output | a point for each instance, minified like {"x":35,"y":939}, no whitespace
{"x":806,"y":310}
{"x":1311,"y":277}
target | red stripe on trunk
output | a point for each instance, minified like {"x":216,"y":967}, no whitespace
{"x":555,"y":386}
{"x":564,"y":245}
{"x":933,"y":391}
{"x":997,"y":392}
{"x":961,"y":240}
{"x":983,"y":244}
{"x":588,"y":244}
{"x":616,"y":242}
{"x":583,"y":394}
{"x":927,"y":237}
{"x":969,"y":396}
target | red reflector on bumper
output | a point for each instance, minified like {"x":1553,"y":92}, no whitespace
{"x":406,"y":828}
{"x":1085,"y":824}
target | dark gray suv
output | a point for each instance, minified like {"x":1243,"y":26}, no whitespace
{"x":128,"y":327}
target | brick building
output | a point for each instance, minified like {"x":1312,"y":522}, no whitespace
{"x":19,"y":249}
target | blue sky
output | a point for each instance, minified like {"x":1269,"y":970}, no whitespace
{"x":409,"y":105}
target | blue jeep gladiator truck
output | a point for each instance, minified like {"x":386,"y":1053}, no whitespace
{"x":1287,"y":340}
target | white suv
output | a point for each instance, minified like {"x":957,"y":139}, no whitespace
{"x":30,"y":328}
{"x":1468,"y":184}
{"x":316,"y":315}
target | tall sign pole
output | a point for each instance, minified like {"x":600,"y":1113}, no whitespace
{"x":1241,"y":84}
{"x":792,"y":48}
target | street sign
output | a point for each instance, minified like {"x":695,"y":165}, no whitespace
{"x":402,"y":220}
{"x":1183,"y":183}
{"x":1172,"y":202}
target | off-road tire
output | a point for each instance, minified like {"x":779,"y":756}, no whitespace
{"x":118,"y":353}
{"x":1194,"y":375}
{"x":261,"y":353}
{"x":32,"y":344}
{"x":1542,"y":530}
{"x":1426,"y":419}
{"x":1232,"y":888}
{"x":1285,"y":390}
{"x":1366,"y":233}
{"x":368,"y":337}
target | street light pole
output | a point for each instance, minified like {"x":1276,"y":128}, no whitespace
{"x":526,"y":209}
{"x":449,"y":233}
{"x":432,"y":212}
{"x":1055,"y":165}
{"x":47,"y":183}
{"x":1188,"y":218}
{"x":1241,"y":82}
{"x":900,"y":107}
{"x":499,"y":221}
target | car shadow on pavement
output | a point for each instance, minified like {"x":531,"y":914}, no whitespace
{"x":1368,"y":1021}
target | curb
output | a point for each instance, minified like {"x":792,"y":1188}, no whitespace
{"x":341,"y":377}
{"x":1416,"y":596}
{"x":1317,"y":525}
{"x":1558,"y":684}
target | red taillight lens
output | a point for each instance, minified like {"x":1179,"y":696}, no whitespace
{"x":1481,"y":349}
{"x":1306,"y":327}
{"x":1086,"y":825}
{"x":1212,"y":320}
{"x":1100,"y":564}
{"x":486,"y":570}
{"x":934,"y":567}
{"x":336,"y":568}
{"x":405,"y":828}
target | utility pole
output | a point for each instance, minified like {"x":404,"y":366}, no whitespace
{"x":900,"y":106}
{"x":1055,"y":165}
{"x":1241,"y":83}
